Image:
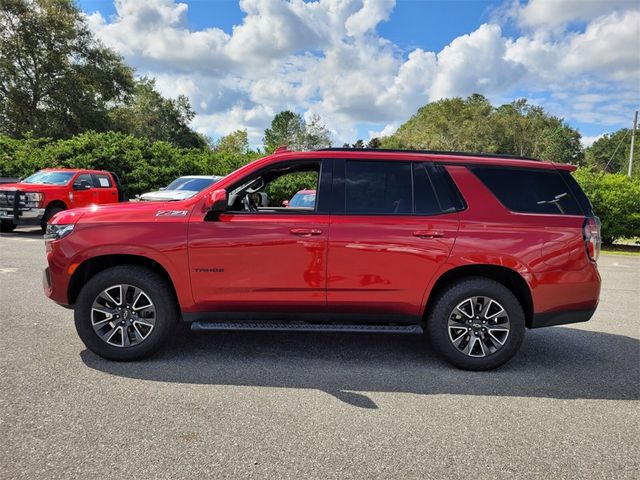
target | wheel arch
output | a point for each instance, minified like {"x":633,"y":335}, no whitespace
{"x":94,"y":265}
{"x":503,"y":275}
{"x":56,"y":203}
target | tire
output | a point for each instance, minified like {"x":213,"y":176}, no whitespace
{"x":113,"y":346}
{"x":7,"y":226}
{"x":449,"y":325}
{"x":48,"y":214}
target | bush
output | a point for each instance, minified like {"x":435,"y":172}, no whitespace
{"x":142,"y":165}
{"x":615,"y":199}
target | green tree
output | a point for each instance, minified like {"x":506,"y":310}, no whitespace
{"x":287,"y":128}
{"x":610,"y":153}
{"x":315,"y":134}
{"x":290,"y":129}
{"x":146,"y":113}
{"x":473,"y":124}
{"x":374,"y":143}
{"x":616,"y":200}
{"x":55,"y":79}
{"x":235,"y":143}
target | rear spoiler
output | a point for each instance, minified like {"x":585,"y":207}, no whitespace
{"x":565,"y":166}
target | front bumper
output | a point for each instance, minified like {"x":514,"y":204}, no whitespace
{"x":22,"y":215}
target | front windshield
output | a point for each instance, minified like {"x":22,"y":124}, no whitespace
{"x":48,"y":177}
{"x":303,"y":200}
{"x":190,"y":184}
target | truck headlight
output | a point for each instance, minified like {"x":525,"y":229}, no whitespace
{"x":34,"y":199}
{"x":56,"y":232}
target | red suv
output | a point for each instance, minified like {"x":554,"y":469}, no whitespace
{"x":470,"y":248}
{"x":37,"y":198}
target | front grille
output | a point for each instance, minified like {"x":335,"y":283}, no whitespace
{"x":8,"y":198}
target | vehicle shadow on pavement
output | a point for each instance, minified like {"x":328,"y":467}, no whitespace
{"x":561,"y":363}
{"x":24,"y":232}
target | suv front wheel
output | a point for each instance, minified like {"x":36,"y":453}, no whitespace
{"x":125,"y":312}
{"x":476,"y":324}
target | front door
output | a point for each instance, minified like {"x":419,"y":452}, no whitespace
{"x":83,"y":197}
{"x":387,"y":243}
{"x":261,"y":256}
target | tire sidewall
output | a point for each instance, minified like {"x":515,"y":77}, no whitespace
{"x":157,"y":290}
{"x":438,"y":330}
{"x":48,"y":214}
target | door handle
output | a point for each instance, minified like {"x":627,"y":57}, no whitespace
{"x":428,"y":234}
{"x":305,"y":232}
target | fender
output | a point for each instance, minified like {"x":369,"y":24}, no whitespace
{"x":481,"y":260}
{"x":178,"y":274}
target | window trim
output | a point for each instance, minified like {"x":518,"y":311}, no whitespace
{"x":324,"y":171}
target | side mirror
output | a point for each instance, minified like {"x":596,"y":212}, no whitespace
{"x":217,"y":201}
{"x":285,"y":203}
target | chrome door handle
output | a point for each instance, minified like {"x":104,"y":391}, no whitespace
{"x":427,"y":234}
{"x":305,"y":232}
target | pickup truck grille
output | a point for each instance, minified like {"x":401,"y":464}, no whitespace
{"x":8,"y":198}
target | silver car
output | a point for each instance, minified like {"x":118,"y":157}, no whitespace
{"x":180,"y":188}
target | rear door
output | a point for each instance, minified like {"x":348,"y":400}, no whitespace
{"x":106,"y":191}
{"x":393,"y":224}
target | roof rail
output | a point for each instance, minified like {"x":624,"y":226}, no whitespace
{"x":430,"y":152}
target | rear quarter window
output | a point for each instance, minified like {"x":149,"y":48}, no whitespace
{"x":528,"y":190}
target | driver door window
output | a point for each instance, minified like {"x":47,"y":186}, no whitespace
{"x":282,"y":189}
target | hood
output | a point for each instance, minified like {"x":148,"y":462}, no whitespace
{"x":167,"y":195}
{"x":125,"y":212}
{"x":32,"y":187}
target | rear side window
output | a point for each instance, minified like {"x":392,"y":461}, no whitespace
{"x":101,"y":180}
{"x":379,"y":188}
{"x":434,"y":191}
{"x":577,"y":192}
{"x":529,"y":190}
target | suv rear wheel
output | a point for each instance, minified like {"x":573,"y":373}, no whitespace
{"x":125,"y":313}
{"x":476,"y":324}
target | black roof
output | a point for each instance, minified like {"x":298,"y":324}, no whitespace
{"x":430,"y":152}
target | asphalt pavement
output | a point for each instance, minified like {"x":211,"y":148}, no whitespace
{"x":314,"y":405}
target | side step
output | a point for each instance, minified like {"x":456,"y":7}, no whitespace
{"x":304,"y":327}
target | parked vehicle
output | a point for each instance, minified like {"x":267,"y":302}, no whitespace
{"x":304,"y":198}
{"x":181,"y":188}
{"x":37,"y":198}
{"x":471,"y":248}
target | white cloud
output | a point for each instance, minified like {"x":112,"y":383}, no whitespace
{"x":326,"y":57}
{"x":588,"y":140}
{"x":549,"y":13}
{"x":475,"y":63}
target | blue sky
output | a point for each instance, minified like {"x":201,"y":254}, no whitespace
{"x":365,"y":66}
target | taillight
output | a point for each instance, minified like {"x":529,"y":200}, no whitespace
{"x":592,"y":239}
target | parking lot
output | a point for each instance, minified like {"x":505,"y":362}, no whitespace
{"x":268,"y":405}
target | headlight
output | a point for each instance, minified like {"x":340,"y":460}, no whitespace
{"x":34,"y":199}
{"x":56,"y":232}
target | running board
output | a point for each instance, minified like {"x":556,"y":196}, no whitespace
{"x":304,"y":327}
